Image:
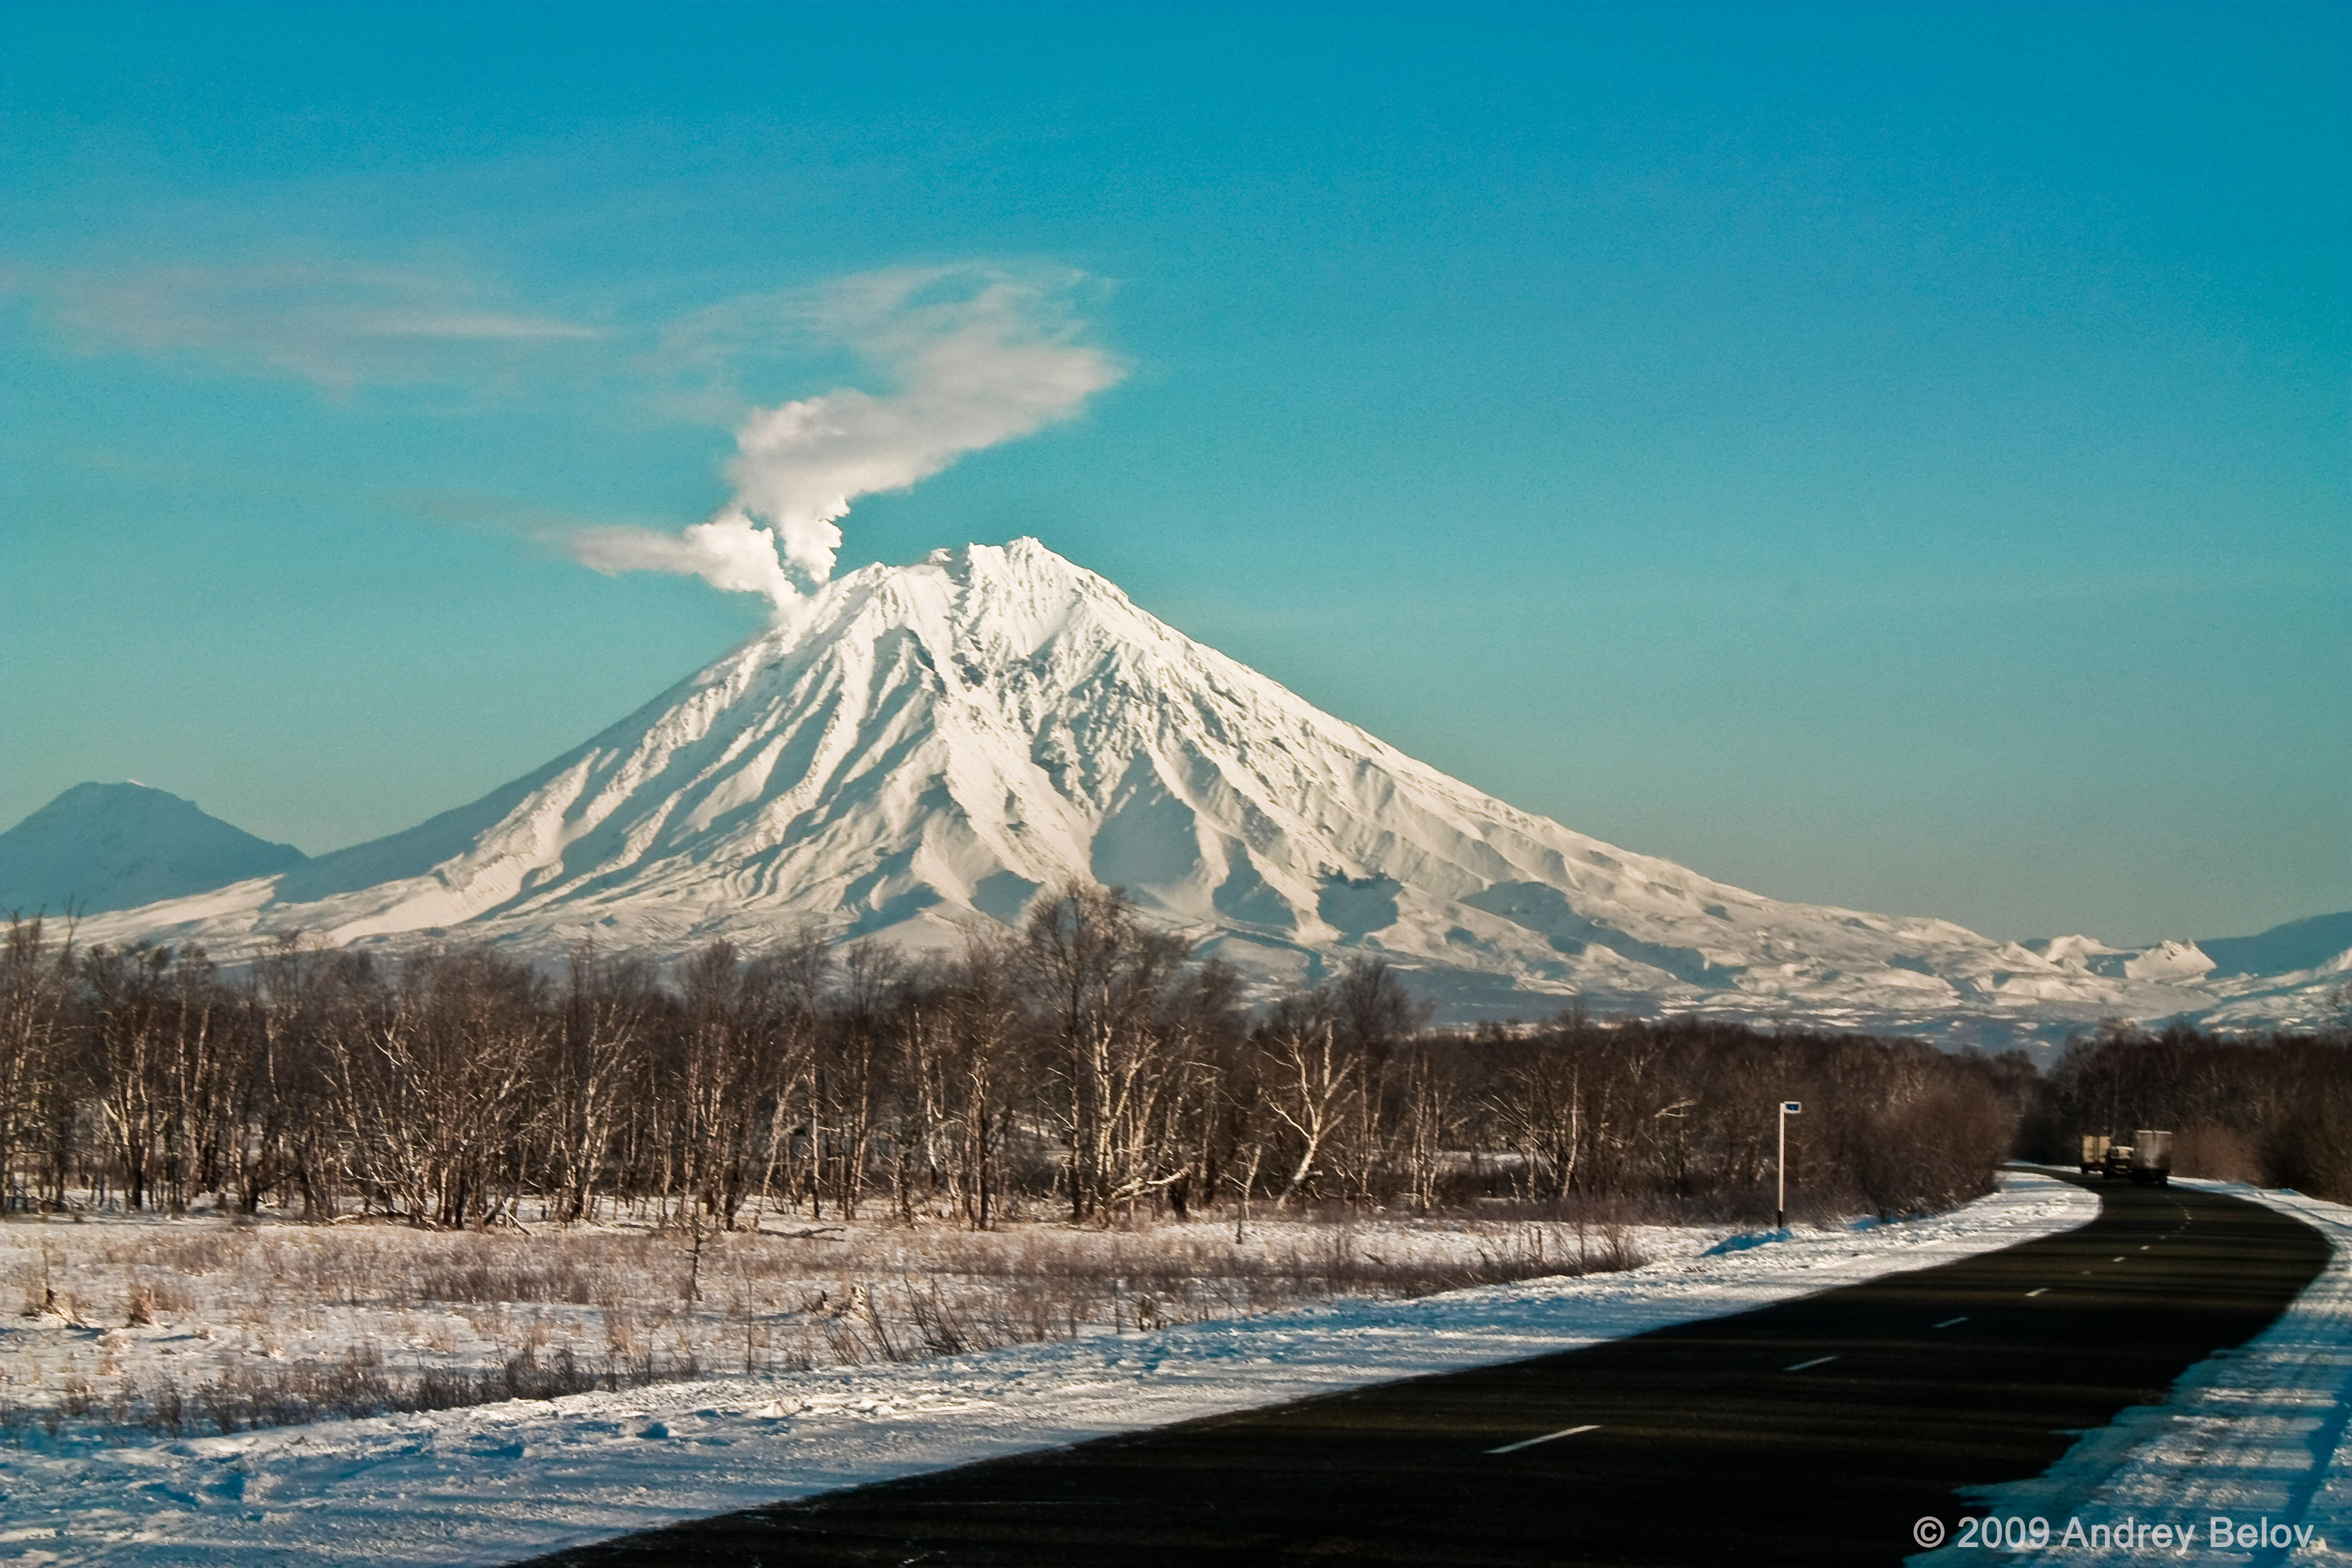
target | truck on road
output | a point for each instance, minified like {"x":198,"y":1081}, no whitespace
{"x":2147,"y":1159}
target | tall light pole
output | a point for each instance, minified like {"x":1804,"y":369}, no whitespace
{"x":1780,"y":1204}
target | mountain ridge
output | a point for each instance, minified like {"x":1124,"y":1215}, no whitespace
{"x":919,"y":749}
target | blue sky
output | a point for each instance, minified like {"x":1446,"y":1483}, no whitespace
{"x":1893,"y":456}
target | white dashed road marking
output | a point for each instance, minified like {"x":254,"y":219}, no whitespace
{"x":1531,"y":1442}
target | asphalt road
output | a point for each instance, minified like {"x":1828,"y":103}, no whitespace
{"x":1813,"y":1432}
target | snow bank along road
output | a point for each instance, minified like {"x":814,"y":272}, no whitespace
{"x":1823,"y":1429}
{"x":500,"y":1482}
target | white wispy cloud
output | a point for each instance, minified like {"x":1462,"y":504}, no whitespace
{"x":337,"y":325}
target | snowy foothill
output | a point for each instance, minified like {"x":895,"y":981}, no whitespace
{"x":2252,"y":1441}
{"x":496,"y":1482}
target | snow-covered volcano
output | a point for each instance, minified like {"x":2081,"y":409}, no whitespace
{"x":922,"y":748}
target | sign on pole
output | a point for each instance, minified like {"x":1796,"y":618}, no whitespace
{"x":1781,"y":1167}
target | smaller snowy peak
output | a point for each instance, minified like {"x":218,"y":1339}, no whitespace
{"x":117,"y":847}
{"x":2168,"y":962}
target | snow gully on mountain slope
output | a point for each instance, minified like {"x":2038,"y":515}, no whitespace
{"x":920,"y":749}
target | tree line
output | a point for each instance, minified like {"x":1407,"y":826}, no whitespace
{"x":1084,"y":1066}
{"x":2274,"y":1108}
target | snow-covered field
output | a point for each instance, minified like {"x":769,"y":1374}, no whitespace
{"x":142,"y":1323}
{"x":492,"y":1483}
{"x":2254,"y":1436}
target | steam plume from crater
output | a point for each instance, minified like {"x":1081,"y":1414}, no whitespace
{"x":977,"y":357}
